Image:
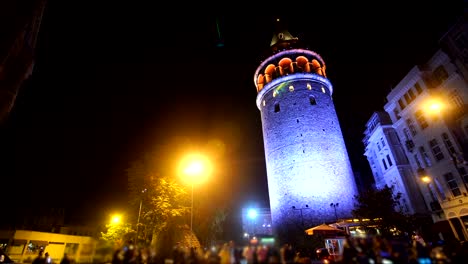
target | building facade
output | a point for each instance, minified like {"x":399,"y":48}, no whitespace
{"x":23,"y":246}
{"x":306,"y":158}
{"x":428,"y":112}
{"x":389,"y":163}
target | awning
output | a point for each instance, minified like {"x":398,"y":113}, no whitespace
{"x":324,"y":229}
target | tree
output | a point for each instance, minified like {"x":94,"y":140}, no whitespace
{"x":166,"y":201}
{"x":377,"y":207}
{"x":118,"y":233}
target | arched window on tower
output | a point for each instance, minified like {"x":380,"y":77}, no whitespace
{"x":312,"y":100}
{"x":277,"y":107}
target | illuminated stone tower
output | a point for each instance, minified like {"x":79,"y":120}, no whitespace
{"x":307,"y":163}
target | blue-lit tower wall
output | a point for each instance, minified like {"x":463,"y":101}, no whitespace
{"x":306,"y":158}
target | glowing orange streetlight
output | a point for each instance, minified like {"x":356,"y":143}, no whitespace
{"x":426,"y":179}
{"x":116,"y":219}
{"x":195,"y":168}
{"x":434,"y":106}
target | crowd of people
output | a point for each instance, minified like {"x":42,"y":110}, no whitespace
{"x":373,"y":249}
{"x":45,"y":258}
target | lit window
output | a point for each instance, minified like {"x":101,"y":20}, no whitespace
{"x":421,"y":119}
{"x":275,"y":93}
{"x":291,"y":88}
{"x":323,"y":90}
{"x":456,"y":101}
{"x":309,"y":86}
{"x":263,"y":103}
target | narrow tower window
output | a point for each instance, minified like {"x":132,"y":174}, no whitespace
{"x":323,"y":90}
{"x":312,"y":100}
{"x":277,"y":107}
{"x":309,"y":86}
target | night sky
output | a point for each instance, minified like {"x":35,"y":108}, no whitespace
{"x":115,"y":80}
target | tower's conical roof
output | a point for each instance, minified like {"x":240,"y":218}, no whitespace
{"x":282,"y":39}
{"x":281,"y":34}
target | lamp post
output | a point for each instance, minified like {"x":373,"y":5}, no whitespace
{"x":335,"y":205}
{"x":302,"y":216}
{"x":139,"y":214}
{"x":195,"y":168}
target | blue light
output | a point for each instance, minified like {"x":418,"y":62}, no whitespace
{"x":252,"y":214}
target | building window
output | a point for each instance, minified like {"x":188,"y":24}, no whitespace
{"x":309,"y":87}
{"x":417,"y":160}
{"x":378,"y":146}
{"x":418,"y":88}
{"x":402,"y":105}
{"x":323,"y":90}
{"x":452,"y":184}
{"x":425,"y":156}
{"x":456,"y":100}
{"x":436,"y":151}
{"x":291,"y":88}
{"x":263,"y":103}
{"x":463,"y":174}
{"x":411,"y":126}
{"x":440,"y":75}
{"x":421,"y":119}
{"x":408,"y":99}
{"x":411,"y":94}
{"x":277,"y":107}
{"x":390,"y":163}
{"x":384,"y":164}
{"x":312,"y":100}
{"x":448,"y":144}
{"x":382,"y":141}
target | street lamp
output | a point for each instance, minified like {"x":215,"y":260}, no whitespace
{"x":335,"y":205}
{"x":302,"y":216}
{"x":252,"y":215}
{"x":195,"y":168}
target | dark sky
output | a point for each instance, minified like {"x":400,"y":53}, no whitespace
{"x":114,"y":80}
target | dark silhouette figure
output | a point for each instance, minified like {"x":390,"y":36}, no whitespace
{"x":40,"y":258}
{"x":65,"y":259}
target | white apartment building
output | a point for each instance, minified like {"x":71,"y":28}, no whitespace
{"x":434,"y":140}
{"x":390,"y":165}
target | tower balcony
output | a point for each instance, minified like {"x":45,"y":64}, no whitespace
{"x":286,"y":63}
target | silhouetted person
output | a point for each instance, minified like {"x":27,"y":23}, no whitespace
{"x":40,"y":258}
{"x":65,"y":259}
